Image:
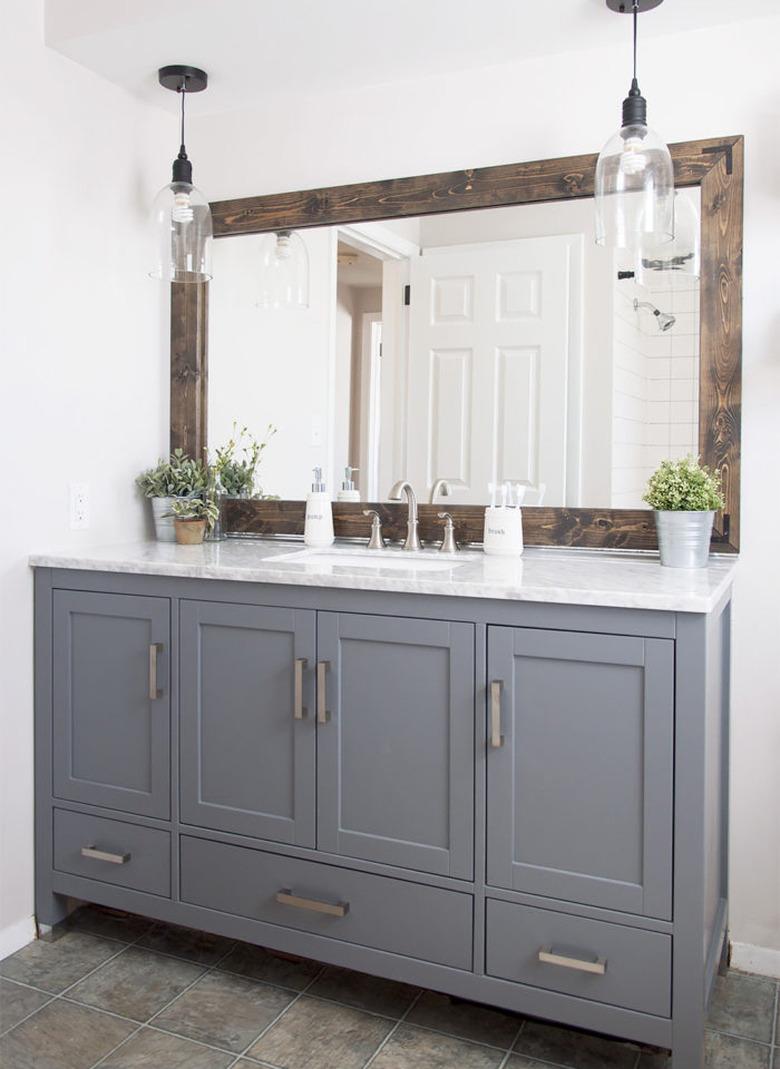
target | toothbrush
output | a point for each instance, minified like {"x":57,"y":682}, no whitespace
{"x":520,"y":491}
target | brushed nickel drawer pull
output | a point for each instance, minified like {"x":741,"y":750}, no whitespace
{"x":323,"y":713}
{"x":496,"y":738}
{"x":104,"y":855}
{"x":285,"y":897}
{"x":155,"y":649}
{"x":598,"y":966}
{"x":300,"y":710}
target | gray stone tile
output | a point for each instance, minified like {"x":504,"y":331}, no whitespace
{"x":726,"y":1052}
{"x":156,"y":1050}
{"x":721,"y":1052}
{"x":18,"y":1002}
{"x":575,"y":1050}
{"x":365,"y":992}
{"x":519,"y":1061}
{"x":136,"y":984}
{"x":466,"y":1020}
{"x":321,"y":1035}
{"x":261,"y":964}
{"x":415,"y":1048}
{"x":225,"y":1011}
{"x":186,"y":943}
{"x":62,"y":1036}
{"x":109,"y":923}
{"x":743,"y":1006}
{"x":53,"y":966}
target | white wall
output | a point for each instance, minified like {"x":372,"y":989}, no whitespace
{"x":83,"y":387}
{"x":700,"y":84}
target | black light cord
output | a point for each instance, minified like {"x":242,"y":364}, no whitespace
{"x":636,"y":20}
{"x":182,"y":91}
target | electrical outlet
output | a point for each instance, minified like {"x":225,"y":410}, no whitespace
{"x":79,"y":506}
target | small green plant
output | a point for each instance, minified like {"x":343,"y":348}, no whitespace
{"x":179,"y":476}
{"x":684,"y":486}
{"x":237,"y":462}
{"x":196,"y":508}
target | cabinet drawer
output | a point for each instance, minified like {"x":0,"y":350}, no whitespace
{"x":125,"y":854}
{"x":631,"y":968}
{"x":354,"y":907}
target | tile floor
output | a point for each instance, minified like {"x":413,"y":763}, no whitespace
{"x":116,"y":991}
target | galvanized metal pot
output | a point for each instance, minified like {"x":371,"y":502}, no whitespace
{"x":684,"y":538}
{"x":163,"y":519}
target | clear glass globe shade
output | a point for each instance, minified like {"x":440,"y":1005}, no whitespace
{"x":677,"y":262}
{"x":634,"y":190}
{"x":284,"y":271}
{"x":181,"y":220}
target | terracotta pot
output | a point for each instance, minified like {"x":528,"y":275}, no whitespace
{"x":189,"y":532}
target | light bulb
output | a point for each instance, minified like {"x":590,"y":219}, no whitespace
{"x":284,"y":249}
{"x":182,"y":208}
{"x":632,"y":159}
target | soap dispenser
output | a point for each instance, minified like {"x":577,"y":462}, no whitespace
{"x":348,"y":491}
{"x":318,"y":527}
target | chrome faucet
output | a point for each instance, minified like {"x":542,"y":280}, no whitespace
{"x":441,"y":486}
{"x":396,"y":494}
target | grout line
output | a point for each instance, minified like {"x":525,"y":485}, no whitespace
{"x":279,"y":1015}
{"x":508,"y":1055}
{"x":32,"y":1013}
{"x":776,"y":1014}
{"x":372,"y":1058}
{"x":145,"y":1024}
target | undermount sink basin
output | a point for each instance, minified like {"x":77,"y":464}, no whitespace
{"x":374,"y":559}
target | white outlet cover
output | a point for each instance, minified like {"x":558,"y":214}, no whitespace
{"x":79,"y":506}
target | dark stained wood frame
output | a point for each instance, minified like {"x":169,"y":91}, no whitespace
{"x":715,"y":165}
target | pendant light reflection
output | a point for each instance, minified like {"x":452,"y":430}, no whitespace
{"x":181,"y":216}
{"x":680,"y":259}
{"x":284,"y":271}
{"x":634,"y":189}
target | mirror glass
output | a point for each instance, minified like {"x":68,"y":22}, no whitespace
{"x":472,"y":347}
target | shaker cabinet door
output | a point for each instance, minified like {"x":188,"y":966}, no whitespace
{"x":111,"y":664}
{"x":395,"y":741}
{"x":247,"y":720}
{"x":580,"y":760}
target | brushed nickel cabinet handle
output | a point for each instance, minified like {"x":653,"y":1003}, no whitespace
{"x":496,"y":738}
{"x":597,"y":966}
{"x":285,"y":897}
{"x":299,"y":710}
{"x":155,"y":649}
{"x":323,"y":713}
{"x":104,"y":855}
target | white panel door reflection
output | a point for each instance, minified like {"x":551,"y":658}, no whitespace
{"x":490,"y":351}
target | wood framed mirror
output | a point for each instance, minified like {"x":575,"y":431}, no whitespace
{"x":714,"y":168}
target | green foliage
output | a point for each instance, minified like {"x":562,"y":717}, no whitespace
{"x":684,"y":486}
{"x":179,"y":476}
{"x":196,"y":508}
{"x":237,"y":462}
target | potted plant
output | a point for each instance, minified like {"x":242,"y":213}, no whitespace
{"x":191,"y":517}
{"x":685,"y":496}
{"x":177,"y":477}
{"x":237,"y":462}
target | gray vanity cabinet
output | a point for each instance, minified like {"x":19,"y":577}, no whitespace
{"x":111,"y":701}
{"x":247,"y":730}
{"x":395,"y":741}
{"x":580,"y":765}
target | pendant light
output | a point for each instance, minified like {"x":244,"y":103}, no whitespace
{"x":181,"y":214}
{"x":634,"y":190}
{"x":284,"y":271}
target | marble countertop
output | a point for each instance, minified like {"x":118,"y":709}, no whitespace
{"x":574,"y":577}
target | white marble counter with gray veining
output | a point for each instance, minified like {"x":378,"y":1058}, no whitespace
{"x":574,"y":577}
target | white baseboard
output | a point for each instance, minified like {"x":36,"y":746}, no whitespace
{"x":762,"y":960}
{"x":15,"y":936}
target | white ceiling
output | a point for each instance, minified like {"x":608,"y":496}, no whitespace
{"x":253,"y":48}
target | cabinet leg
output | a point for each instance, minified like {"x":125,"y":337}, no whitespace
{"x":51,"y":908}
{"x":688,"y":1049}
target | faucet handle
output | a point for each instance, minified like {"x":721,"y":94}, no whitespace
{"x":375,"y":541}
{"x":448,"y":545}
